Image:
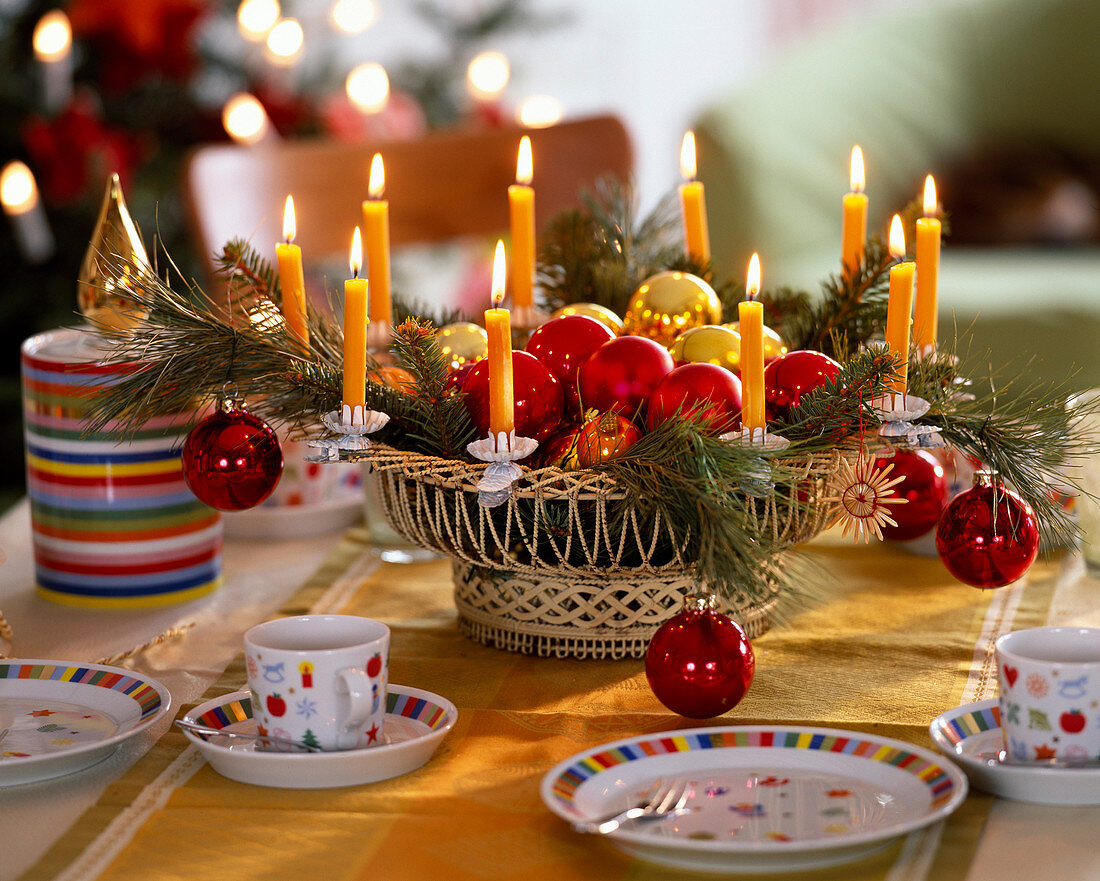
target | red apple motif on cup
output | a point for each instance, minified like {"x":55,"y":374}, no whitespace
{"x":276,"y":706}
{"x":374,"y":666}
{"x":1072,"y":722}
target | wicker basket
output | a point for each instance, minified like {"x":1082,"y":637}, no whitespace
{"x":564,"y":568}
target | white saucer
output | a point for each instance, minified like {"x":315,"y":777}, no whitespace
{"x":416,"y":722}
{"x":62,"y":716}
{"x":971,"y":735}
{"x":762,"y":798}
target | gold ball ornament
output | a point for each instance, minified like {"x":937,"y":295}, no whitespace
{"x":112,"y":266}
{"x":462,"y":343}
{"x":774,"y":345}
{"x":668,"y":303}
{"x":709,"y":344}
{"x":593,"y":310}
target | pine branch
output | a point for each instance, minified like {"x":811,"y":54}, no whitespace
{"x":843,"y":404}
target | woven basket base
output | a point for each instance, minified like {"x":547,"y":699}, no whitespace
{"x":579,"y":617}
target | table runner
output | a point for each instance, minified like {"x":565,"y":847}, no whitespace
{"x":893,"y":642}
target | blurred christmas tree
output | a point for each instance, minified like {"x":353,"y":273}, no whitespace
{"x":130,"y":86}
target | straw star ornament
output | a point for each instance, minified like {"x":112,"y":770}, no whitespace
{"x":865,"y":493}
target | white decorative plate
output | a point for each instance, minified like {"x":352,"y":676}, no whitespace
{"x":416,"y":722}
{"x":62,"y":716}
{"x":971,"y":735}
{"x":763,"y":799}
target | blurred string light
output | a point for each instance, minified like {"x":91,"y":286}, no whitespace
{"x":256,"y":18}
{"x":368,"y":87}
{"x":487,"y":75}
{"x":284,"y":42}
{"x":245,"y":119}
{"x":540,"y":111}
{"x":352,"y":16}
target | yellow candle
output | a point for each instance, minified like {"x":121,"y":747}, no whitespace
{"x":376,"y":227}
{"x":502,"y":410}
{"x":693,"y":203}
{"x":854,"y":228}
{"x":521,"y":211}
{"x":355,"y":329}
{"x":750,"y":313}
{"x":292,"y":279}
{"x":900,"y":305}
{"x":928,"y":272}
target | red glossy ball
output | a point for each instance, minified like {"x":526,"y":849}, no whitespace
{"x":924,"y":488}
{"x":537,"y":395}
{"x":983,"y":552}
{"x":232,"y":460}
{"x":622,"y":373}
{"x":605,"y":437}
{"x":563,"y":345}
{"x":700,"y":663}
{"x":788,"y":378}
{"x":704,"y":391}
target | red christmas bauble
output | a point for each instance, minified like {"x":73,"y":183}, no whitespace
{"x":788,"y":378}
{"x":705,"y":391}
{"x":983,"y":551}
{"x":232,"y":460}
{"x":699,"y":663}
{"x":604,"y":437}
{"x":924,"y":488}
{"x":560,"y":449}
{"x":535,"y":391}
{"x":622,"y":373}
{"x":563,"y":345}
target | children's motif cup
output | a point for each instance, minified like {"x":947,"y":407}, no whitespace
{"x":319,"y":679}
{"x":1050,"y":694}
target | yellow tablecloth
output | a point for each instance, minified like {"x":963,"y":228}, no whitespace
{"x":893,"y":642}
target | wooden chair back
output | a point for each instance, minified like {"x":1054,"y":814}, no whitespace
{"x":442,"y":186}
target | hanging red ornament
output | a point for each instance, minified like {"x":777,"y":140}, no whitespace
{"x":924,"y":488}
{"x":987,"y":536}
{"x":788,"y":378}
{"x":622,"y":373}
{"x":699,"y":663}
{"x":563,"y":344}
{"x":232,"y":459}
{"x":705,"y":391}
{"x":537,"y":395}
{"x":603,"y":437}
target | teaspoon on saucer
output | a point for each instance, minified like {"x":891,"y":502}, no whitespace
{"x":206,"y":732}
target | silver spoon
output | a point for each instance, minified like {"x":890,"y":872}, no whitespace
{"x":206,"y":731}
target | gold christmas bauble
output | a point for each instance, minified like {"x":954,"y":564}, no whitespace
{"x":668,"y":303}
{"x":114,"y":259}
{"x":593,"y":310}
{"x":462,"y":343}
{"x":709,"y":344}
{"x":774,"y":345}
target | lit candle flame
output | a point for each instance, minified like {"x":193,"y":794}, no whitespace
{"x":355,"y":258}
{"x":857,"y":177}
{"x":929,"y":197}
{"x":498,"y":275}
{"x":290,"y":229}
{"x":18,"y":192}
{"x":524,"y":162}
{"x":53,"y":36}
{"x":752,"y":283}
{"x":377,"y":184}
{"x":897,"y":238}
{"x":687,"y":157}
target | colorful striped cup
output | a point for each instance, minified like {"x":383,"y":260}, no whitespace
{"x":113,"y":523}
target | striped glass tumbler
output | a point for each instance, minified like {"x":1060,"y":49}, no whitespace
{"x":113,"y":523}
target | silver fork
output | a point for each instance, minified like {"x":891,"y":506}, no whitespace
{"x":667,"y":800}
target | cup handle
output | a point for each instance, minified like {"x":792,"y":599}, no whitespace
{"x":355,"y":683}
